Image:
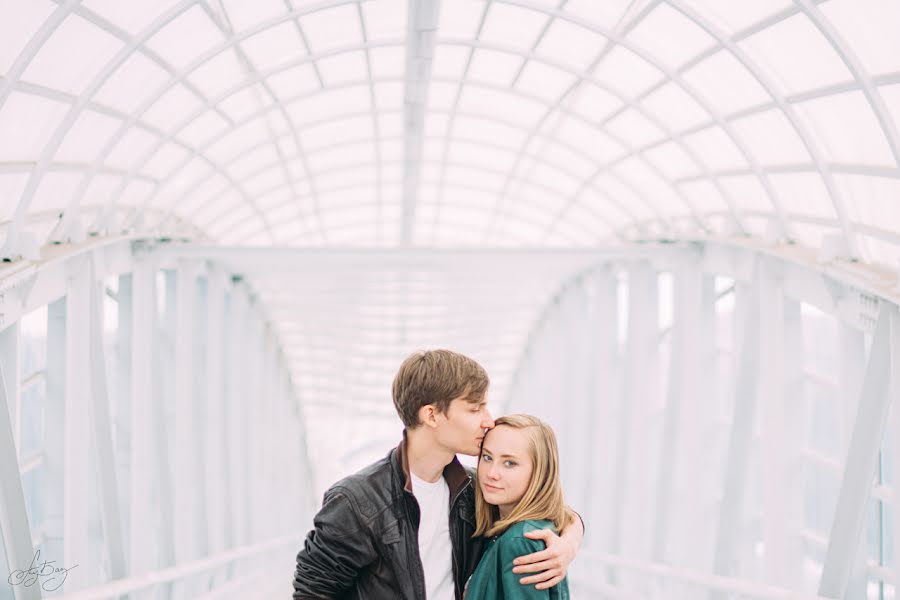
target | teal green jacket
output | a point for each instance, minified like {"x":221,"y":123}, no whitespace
{"x":493,"y":579}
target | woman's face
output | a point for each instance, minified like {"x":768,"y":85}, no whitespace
{"x":505,"y":467}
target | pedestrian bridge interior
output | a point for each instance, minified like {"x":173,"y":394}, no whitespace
{"x":670,"y":228}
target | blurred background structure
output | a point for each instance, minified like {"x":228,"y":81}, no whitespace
{"x":671,"y":228}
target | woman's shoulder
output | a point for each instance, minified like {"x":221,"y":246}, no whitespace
{"x":515,"y":534}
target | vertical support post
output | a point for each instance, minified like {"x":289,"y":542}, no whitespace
{"x":605,"y":388}
{"x":78,"y":471}
{"x":731,"y":509}
{"x":54,"y":432}
{"x":13,"y":515}
{"x":862,"y":460}
{"x":9,"y":358}
{"x":629,"y":533}
{"x":679,"y":454}
{"x":124,"y":395}
{"x":235,"y":426}
{"x":101,"y":429}
{"x":218,"y":505}
{"x":188,"y":484}
{"x":773,"y":429}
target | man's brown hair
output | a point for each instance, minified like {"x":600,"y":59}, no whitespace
{"x":436,"y":377}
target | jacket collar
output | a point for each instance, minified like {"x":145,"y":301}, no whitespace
{"x":454,"y":473}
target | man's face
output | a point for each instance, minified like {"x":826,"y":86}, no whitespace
{"x":461,"y":429}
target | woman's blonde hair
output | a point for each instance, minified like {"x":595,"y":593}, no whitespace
{"x":543,"y":497}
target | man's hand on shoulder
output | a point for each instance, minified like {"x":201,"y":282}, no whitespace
{"x":551,"y":564}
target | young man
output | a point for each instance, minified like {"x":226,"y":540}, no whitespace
{"x":401,"y":529}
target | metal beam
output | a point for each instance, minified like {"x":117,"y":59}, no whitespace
{"x":101,"y":430}
{"x":862,"y":460}
{"x":422,"y":22}
{"x":16,"y":532}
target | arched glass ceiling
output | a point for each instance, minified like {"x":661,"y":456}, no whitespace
{"x":498,"y":122}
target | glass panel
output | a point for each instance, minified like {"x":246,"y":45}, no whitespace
{"x":627,"y":72}
{"x":512,"y":26}
{"x":56,"y":66}
{"x":332,"y":28}
{"x":30,"y":121}
{"x":725,"y":83}
{"x":670,"y":36}
{"x":570,"y":45}
{"x":675,"y":108}
{"x":274,"y":46}
{"x":770,"y":138}
{"x":18,"y":26}
{"x":869,"y":29}
{"x":494,"y":67}
{"x":544,"y":82}
{"x":187,"y":37}
{"x":132,"y":84}
{"x":88,"y":136}
{"x":796,"y":55}
{"x":385,"y":19}
{"x":847,"y":129}
{"x":172,"y":108}
{"x":243,"y":15}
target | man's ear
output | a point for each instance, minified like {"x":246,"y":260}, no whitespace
{"x":428,"y":415}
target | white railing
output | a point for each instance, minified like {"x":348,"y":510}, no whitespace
{"x":596,"y":563}
{"x":179,"y":573}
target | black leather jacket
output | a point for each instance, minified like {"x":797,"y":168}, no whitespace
{"x":364,"y":545}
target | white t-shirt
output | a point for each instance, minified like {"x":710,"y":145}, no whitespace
{"x":435,"y":547}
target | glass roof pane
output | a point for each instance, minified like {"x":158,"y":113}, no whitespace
{"x":770,"y":138}
{"x":223,"y":72}
{"x":635,"y":128}
{"x":18,"y":25}
{"x":203,"y":128}
{"x":87,"y":137}
{"x":385,"y":19}
{"x":626,"y":72}
{"x":332,"y":28}
{"x":716,"y":150}
{"x":329,"y":104}
{"x":56,"y":66}
{"x":747,"y":193}
{"x":243,"y":15}
{"x":672,"y":160}
{"x":545,"y":82}
{"x":165,"y":160}
{"x":11,"y":187}
{"x":133,"y":146}
{"x":30,"y":121}
{"x":460,"y":19}
{"x":387,"y":62}
{"x":704,"y":196}
{"x":449,"y":61}
{"x":134,"y":17}
{"x":847,"y":129}
{"x":670,"y":37}
{"x":132,"y":83}
{"x":494,"y":67}
{"x":722,"y":80}
{"x":796,"y":55}
{"x":735,"y":16}
{"x":508,"y":106}
{"x":571,"y":45}
{"x":187,"y":37}
{"x":606,"y":14}
{"x":593,"y":102}
{"x":870,"y":28}
{"x":512,"y":26}
{"x":343,"y":68}
{"x":891,"y":96}
{"x":296,"y":81}
{"x":803,"y":194}
{"x":675,"y":108}
{"x":274,"y":46}
{"x":172,"y":108}
{"x":54,"y":191}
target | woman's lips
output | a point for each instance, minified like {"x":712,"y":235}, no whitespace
{"x":491,"y":488}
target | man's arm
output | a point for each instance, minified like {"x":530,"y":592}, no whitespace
{"x":552,"y":563}
{"x":510,"y":548}
{"x":335,"y":551}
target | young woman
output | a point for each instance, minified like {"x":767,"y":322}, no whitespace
{"x":517,"y":489}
